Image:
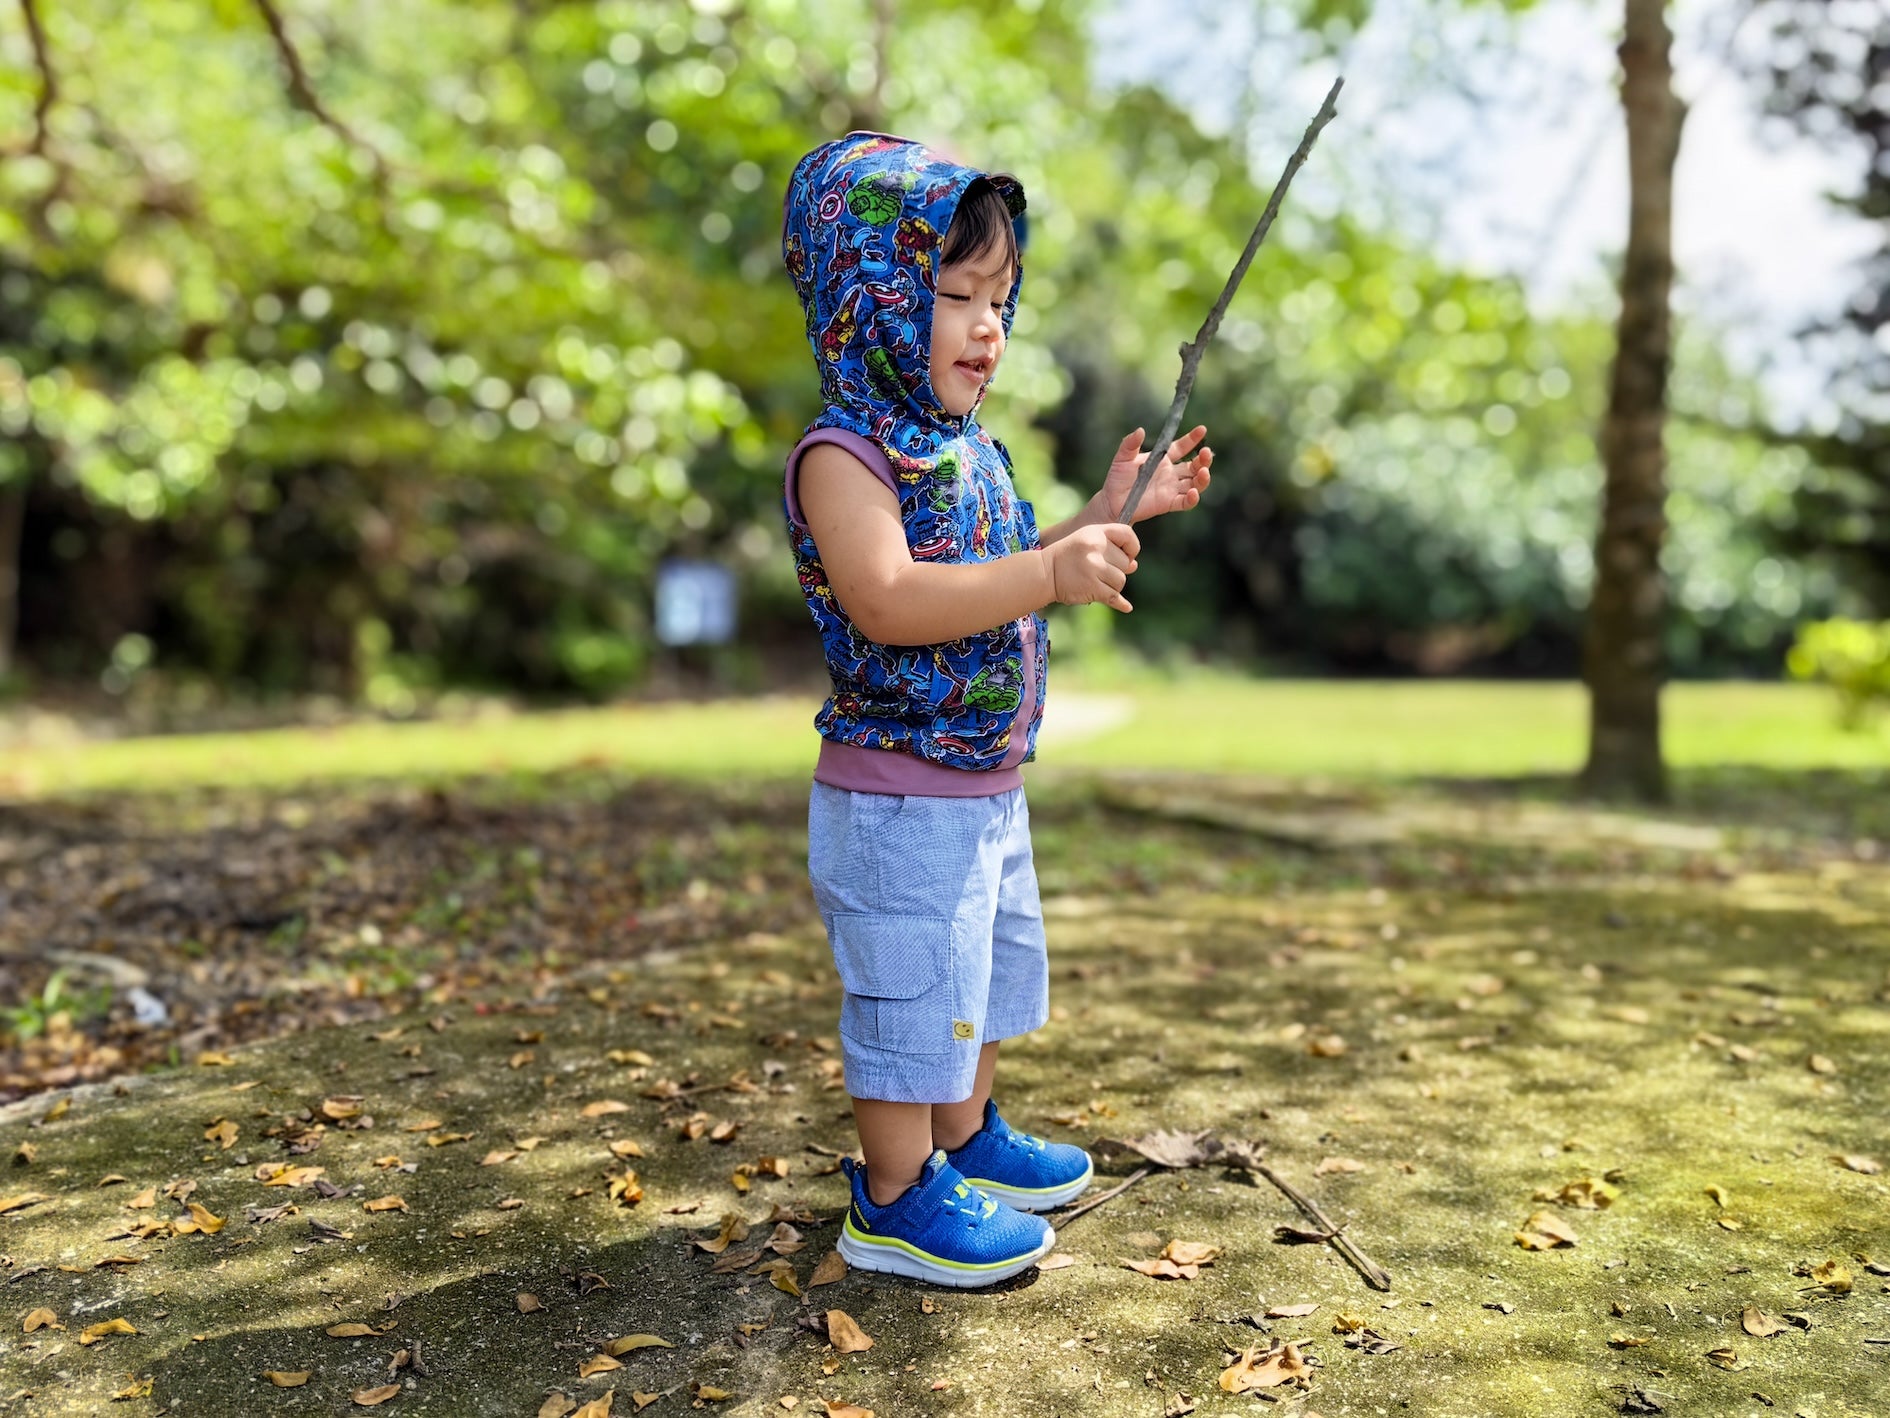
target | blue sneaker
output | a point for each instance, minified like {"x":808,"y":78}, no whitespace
{"x":1026,"y":1171}
{"x":940,"y":1229}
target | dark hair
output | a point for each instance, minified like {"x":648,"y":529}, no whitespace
{"x":980,"y":227}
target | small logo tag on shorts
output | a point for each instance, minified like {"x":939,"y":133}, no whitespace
{"x":961,"y":1029}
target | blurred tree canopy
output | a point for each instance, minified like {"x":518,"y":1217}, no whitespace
{"x":371,"y":350}
{"x":1826,"y":70}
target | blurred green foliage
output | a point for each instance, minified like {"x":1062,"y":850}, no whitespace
{"x":419,"y":397}
{"x":1852,"y":656}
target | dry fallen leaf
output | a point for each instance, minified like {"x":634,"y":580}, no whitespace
{"x":354,"y":1329}
{"x":528,"y":1303}
{"x":1270,"y":1368}
{"x":625,"y":1147}
{"x":22,"y":1201}
{"x":214,"y":1060}
{"x":1721,"y":1197}
{"x":143,"y":1201}
{"x":1191,"y":1253}
{"x":1724,"y":1357}
{"x":201,"y":1219}
{"x":847,"y":1337}
{"x":1757,"y":1323}
{"x":832,"y":1267}
{"x":385,"y":1203}
{"x":784,"y":1281}
{"x":137,"y":1388}
{"x":734,"y":1229}
{"x":1325,"y":1046}
{"x":1869,"y":1166}
{"x":597,"y":1364}
{"x":603,"y":1107}
{"x":92,"y":1333}
{"x":222,"y":1132}
{"x":1834,"y":1275}
{"x":1166,"y":1148}
{"x":498,"y":1157}
{"x":1062,"y":1260}
{"x":441,"y":1139}
{"x":556,"y":1405}
{"x":626,"y":1190}
{"x":374,"y":1397}
{"x":837,"y":1409}
{"x":1330,"y":1166}
{"x":284,"y":1378}
{"x":1627,"y":1341}
{"x":1584,"y":1193}
{"x":599,"y":1407}
{"x":619,"y":1347}
{"x":1544,"y":1231}
{"x":40,"y":1319}
{"x":1161,"y":1268}
{"x":1818,"y":1063}
{"x":709,"y":1393}
{"x":1290,"y":1312}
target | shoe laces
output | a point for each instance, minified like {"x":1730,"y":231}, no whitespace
{"x":981,"y":1203}
{"x":1024,"y":1140}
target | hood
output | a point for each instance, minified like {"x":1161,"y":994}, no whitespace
{"x":864,"y":220}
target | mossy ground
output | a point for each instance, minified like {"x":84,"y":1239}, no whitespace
{"x":1520,"y":1006}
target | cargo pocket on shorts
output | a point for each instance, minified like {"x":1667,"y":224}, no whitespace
{"x":896,"y":971}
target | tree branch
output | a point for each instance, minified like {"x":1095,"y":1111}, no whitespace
{"x":48,"y":77}
{"x":302,"y":93}
{"x":1191,"y":353}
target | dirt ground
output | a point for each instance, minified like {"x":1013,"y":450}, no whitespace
{"x":1427,"y":1024}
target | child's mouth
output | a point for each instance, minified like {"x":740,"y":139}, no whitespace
{"x":971,"y":369}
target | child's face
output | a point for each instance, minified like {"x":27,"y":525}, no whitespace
{"x":968,"y":328}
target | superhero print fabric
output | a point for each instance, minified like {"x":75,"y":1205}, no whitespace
{"x":863,"y":224}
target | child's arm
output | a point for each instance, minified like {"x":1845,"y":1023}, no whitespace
{"x":854,"y":518}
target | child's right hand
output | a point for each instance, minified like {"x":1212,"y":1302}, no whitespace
{"x":1093,"y":564}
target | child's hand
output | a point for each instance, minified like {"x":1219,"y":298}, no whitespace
{"x":1093,"y":564}
{"x":1177,"y":484}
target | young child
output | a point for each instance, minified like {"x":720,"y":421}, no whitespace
{"x":924,"y":572}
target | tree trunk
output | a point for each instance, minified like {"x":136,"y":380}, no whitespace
{"x":12,"y":519}
{"x":1622,"y":659}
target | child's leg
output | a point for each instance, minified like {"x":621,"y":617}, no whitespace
{"x":954,"y":1123}
{"x":895,"y":1140}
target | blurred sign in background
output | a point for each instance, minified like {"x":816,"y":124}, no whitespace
{"x":695,"y":603}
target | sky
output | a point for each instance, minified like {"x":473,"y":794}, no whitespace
{"x":1500,"y":141}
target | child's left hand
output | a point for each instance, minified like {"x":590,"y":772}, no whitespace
{"x":1177,"y":484}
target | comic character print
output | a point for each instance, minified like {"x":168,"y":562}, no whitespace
{"x":863,"y":226}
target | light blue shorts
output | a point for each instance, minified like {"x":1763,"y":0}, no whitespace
{"x":931,"y":907}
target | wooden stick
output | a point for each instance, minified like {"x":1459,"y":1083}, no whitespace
{"x":1374,"y":1275}
{"x":1191,"y":353}
{"x":1097,"y":1201}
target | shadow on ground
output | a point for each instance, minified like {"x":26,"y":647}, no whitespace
{"x":1686,"y":1020}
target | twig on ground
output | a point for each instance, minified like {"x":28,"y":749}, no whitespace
{"x":1375,"y":1275}
{"x":1191,"y":353}
{"x":1111,"y":1194}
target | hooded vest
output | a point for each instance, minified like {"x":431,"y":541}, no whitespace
{"x":863,"y":225}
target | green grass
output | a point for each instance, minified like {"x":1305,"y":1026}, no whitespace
{"x":1203,"y":723}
